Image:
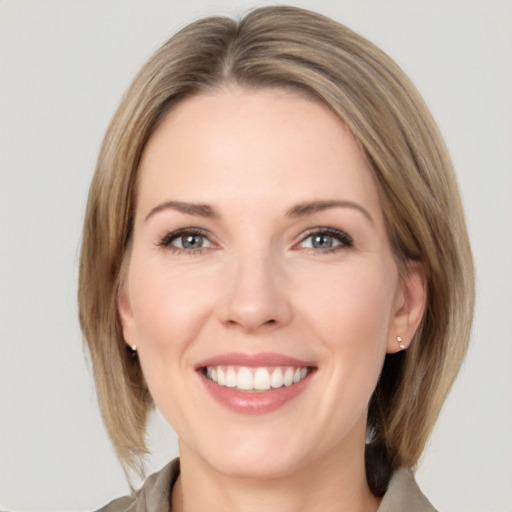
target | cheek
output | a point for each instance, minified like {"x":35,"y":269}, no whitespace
{"x":167,"y":305}
{"x":169,"y":309}
{"x":352,"y":306}
{"x":351,"y":313}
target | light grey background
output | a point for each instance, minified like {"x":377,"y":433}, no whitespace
{"x":64,"y":66}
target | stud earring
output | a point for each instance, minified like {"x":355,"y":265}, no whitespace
{"x":400,"y":342}
{"x":132,"y":349}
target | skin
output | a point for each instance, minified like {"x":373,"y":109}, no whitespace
{"x":255,"y":284}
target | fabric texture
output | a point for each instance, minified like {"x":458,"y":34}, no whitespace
{"x":403,"y":494}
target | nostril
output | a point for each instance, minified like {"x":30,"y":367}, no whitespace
{"x":269,"y":323}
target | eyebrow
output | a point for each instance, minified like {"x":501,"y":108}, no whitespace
{"x":198,"y":209}
{"x":299,"y":210}
{"x":312,"y":207}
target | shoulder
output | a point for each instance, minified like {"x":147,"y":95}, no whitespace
{"x":118,"y":505}
{"x":404,"y":495}
{"x":152,"y":497}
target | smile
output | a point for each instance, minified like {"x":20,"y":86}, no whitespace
{"x":255,"y":383}
{"x":245,"y":378}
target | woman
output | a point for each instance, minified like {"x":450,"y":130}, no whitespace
{"x":275,"y":256}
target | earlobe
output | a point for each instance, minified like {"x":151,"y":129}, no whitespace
{"x":409,"y":309}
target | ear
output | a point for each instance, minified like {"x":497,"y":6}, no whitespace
{"x":409,"y":307}
{"x":126,"y":317}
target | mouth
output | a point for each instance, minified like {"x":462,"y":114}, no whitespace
{"x":255,"y":379}
{"x":255,"y":383}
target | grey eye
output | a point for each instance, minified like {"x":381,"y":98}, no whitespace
{"x":322,"y":241}
{"x":326,"y":239}
{"x":191,"y":241}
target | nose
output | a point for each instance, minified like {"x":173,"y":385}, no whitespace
{"x":256,"y":295}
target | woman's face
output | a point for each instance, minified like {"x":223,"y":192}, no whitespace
{"x":261,"y":291}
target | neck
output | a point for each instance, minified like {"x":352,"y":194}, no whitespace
{"x":333,"y":483}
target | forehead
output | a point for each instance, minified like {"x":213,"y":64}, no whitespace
{"x":243,"y":146}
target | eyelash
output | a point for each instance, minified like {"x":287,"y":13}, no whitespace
{"x":344,"y":239}
{"x":168,"y":239}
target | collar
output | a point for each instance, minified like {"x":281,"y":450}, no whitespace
{"x":403,"y":494}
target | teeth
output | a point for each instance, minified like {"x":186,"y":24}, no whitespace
{"x":288,"y":377}
{"x":276,"y":381}
{"x":230,"y":378}
{"x":244,"y":379}
{"x":260,"y":379}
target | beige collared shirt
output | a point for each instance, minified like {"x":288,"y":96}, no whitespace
{"x":403,"y":494}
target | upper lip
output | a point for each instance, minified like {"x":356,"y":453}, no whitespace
{"x":254,"y":360}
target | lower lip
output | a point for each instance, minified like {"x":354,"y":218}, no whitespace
{"x":247,"y":402}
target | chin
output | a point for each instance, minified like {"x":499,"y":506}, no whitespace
{"x":256,"y":468}
{"x":257,"y":457}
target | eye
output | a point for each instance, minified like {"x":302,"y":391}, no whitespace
{"x":326,"y":240}
{"x":187,"y":240}
{"x":191,"y":241}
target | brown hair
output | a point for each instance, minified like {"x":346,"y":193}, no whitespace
{"x":292,"y":48}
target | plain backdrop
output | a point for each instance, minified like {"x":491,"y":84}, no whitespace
{"x":64,"y":66}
